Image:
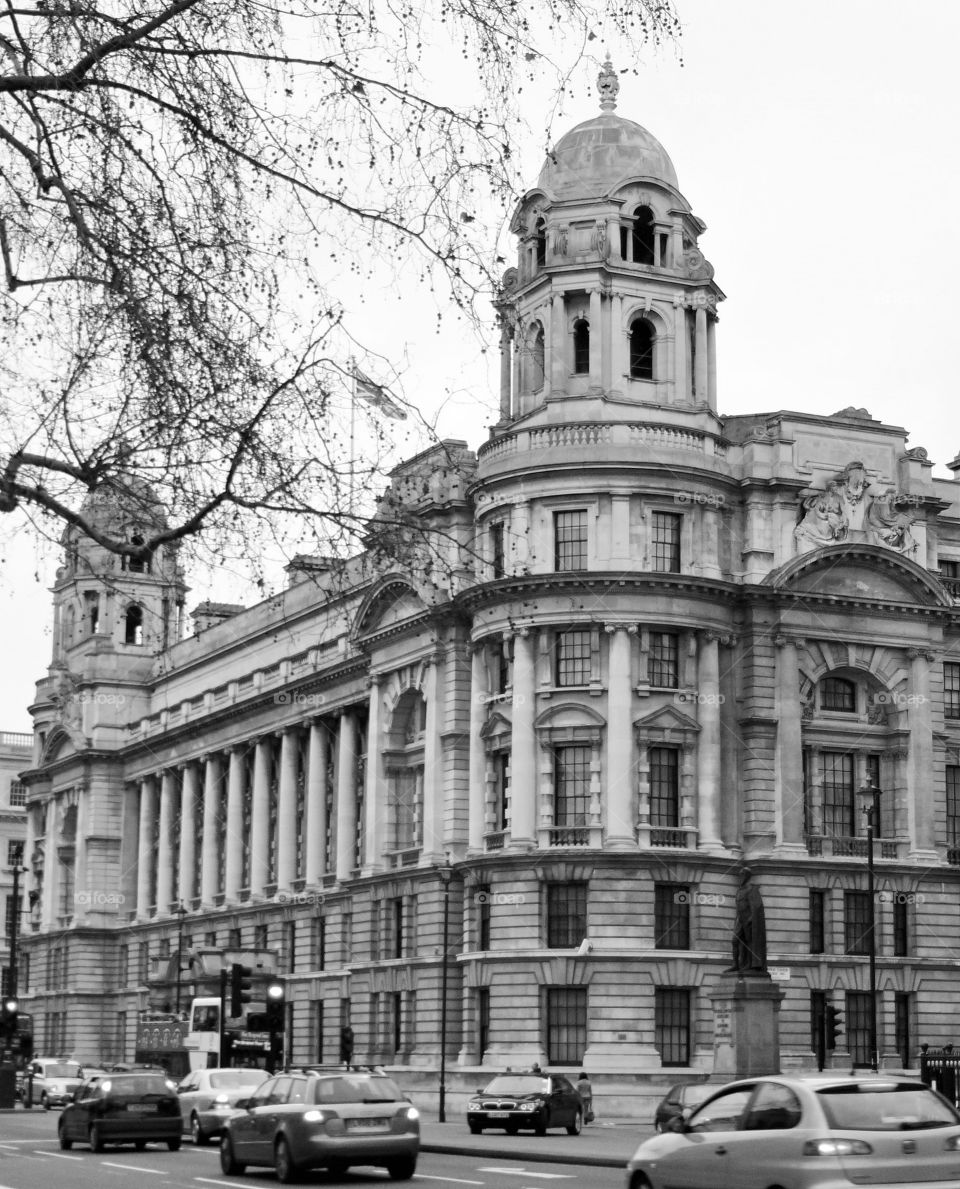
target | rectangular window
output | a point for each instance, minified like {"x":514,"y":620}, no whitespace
{"x":346,"y":938}
{"x":496,"y":549}
{"x":818,"y":910}
{"x":234,"y":938}
{"x":571,"y":785}
{"x":290,"y":944}
{"x":566,"y":1025}
{"x":901,"y":1027}
{"x":483,"y":902}
{"x":573,"y":658}
{"x":320,"y":942}
{"x":671,"y":1025}
{"x":566,"y":914}
{"x":570,"y":540}
{"x":501,"y":788}
{"x":375,"y":929}
{"x":856,"y":923}
{"x":665,"y":529}
{"x":953,"y":805}
{"x":671,"y":916}
{"x":483,"y":1020}
{"x":502,"y":667}
{"x":951,"y":690}
{"x":838,"y":794}
{"x":901,"y":926}
{"x":318,"y":1018}
{"x":210,"y":938}
{"x":143,"y":961}
{"x":260,"y":937}
{"x":405,"y":792}
{"x":18,"y":794}
{"x":664,"y":660}
{"x":396,"y":1021}
{"x":858,"y":1026}
{"x":123,"y":966}
{"x":396,"y":928}
{"x":664,"y":787}
{"x":14,"y":852}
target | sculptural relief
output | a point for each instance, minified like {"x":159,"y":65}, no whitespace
{"x":851,"y":509}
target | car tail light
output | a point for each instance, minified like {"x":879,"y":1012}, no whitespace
{"x":837,"y":1147}
{"x":314,"y":1117}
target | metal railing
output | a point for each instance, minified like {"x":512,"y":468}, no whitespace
{"x":940,"y":1068}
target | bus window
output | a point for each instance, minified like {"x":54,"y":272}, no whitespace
{"x":206,"y":1019}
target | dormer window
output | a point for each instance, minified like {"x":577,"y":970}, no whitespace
{"x":133,"y":625}
{"x":581,"y":347}
{"x":642,"y":340}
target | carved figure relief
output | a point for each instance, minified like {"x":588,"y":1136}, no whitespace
{"x":851,"y":509}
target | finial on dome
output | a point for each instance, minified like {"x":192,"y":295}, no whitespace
{"x":608,"y":85}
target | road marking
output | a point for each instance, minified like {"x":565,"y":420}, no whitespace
{"x":132,"y":1167}
{"x":448,"y":1180}
{"x":523,"y":1172}
{"x":210,"y":1181}
{"x":58,"y":1155}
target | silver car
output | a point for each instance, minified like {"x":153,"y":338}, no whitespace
{"x":207,"y":1097}
{"x":50,"y":1081}
{"x":823,"y":1132}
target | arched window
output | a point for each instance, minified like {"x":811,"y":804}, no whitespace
{"x":541,"y":230}
{"x":136,"y":565}
{"x":581,"y":347}
{"x":133,"y":625}
{"x":533,"y":361}
{"x":642,"y":338}
{"x":642,"y":236}
{"x":838,"y":694}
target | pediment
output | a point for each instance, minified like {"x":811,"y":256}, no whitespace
{"x":60,"y":745}
{"x":569,"y":714}
{"x":391,"y":602}
{"x":667,"y":718}
{"x":860,"y":572}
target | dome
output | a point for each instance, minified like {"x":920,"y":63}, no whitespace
{"x":593,"y":157}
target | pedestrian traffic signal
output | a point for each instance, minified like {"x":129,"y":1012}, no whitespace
{"x":276,"y":1000}
{"x":834,"y":1025}
{"x":8,"y":1015}
{"x":240,"y":984}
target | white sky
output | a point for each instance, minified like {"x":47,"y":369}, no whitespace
{"x":819,"y":144}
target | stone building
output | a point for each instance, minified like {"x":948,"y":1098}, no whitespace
{"x":572,"y":682}
{"x":16,"y":749}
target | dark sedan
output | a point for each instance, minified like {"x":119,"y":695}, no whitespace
{"x":123,"y":1108}
{"x":679,"y":1101}
{"x":526,"y":1102}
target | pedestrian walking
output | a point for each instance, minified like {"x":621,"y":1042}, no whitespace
{"x":585,"y":1091}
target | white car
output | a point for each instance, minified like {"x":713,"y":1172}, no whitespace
{"x":823,"y":1132}
{"x":49,"y":1081}
{"x":207,"y":1097}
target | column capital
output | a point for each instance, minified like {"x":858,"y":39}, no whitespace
{"x":921,"y":654}
{"x":612,"y":628}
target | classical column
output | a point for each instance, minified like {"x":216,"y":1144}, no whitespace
{"x":558,"y":346}
{"x":233,"y":865}
{"x":621,"y":774}
{"x":920,"y":808}
{"x":260,"y":818}
{"x":523,"y":780}
{"x":680,"y":331}
{"x":375,"y":792}
{"x":146,"y":858}
{"x":506,"y":368}
{"x":709,"y":767}
{"x":617,"y":361}
{"x":432,"y":850}
{"x":477,"y":762}
{"x":788,"y":780}
{"x":701,"y":361}
{"x":712,"y":363}
{"x":346,"y":796}
{"x":187,"y":865}
{"x":317,"y":763}
{"x":168,"y":812}
{"x":286,"y":841}
{"x":210,"y":859}
{"x":596,"y":339}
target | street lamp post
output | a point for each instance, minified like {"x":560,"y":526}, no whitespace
{"x":18,"y":870}
{"x":181,"y":913}
{"x":870,"y":796}
{"x":446,"y":874}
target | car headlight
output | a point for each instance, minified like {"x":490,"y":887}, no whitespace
{"x":474,"y":1106}
{"x":953,"y":1144}
{"x":529,"y":1106}
{"x":412,"y":1113}
{"x":221,"y":1100}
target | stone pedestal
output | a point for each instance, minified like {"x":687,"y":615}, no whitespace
{"x":746,"y":1026}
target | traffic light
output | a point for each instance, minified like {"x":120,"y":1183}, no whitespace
{"x":257,"y":1021}
{"x":834,"y":1025}
{"x":240,"y":984}
{"x":8,"y":1015}
{"x":276,"y":998}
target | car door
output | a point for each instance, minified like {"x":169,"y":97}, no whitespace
{"x":265,"y":1119}
{"x":80,"y":1111}
{"x":568,"y":1102}
{"x":766,"y":1144}
{"x":187,"y":1093}
{"x":243,"y":1128}
{"x":697,"y":1156}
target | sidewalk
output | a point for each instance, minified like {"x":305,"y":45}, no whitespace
{"x":607,"y":1144}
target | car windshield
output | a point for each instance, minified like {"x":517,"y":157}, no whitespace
{"x":885,"y":1106}
{"x":357,"y":1090}
{"x":137,"y":1085}
{"x":225,"y":1079}
{"x":517,"y":1084}
{"x":64,"y":1070}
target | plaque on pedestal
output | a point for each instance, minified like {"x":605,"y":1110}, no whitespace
{"x":746,"y":1026}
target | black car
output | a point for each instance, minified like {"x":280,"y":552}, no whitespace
{"x":526,"y":1102}
{"x":680,"y":1100}
{"x":123,"y":1108}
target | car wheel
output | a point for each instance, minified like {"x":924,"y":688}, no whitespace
{"x":200,"y":1137}
{"x":45,"y":1101}
{"x":576,"y":1126}
{"x":402,"y":1168}
{"x":65,"y":1144}
{"x":283,"y":1163}
{"x":96,"y":1139}
{"x":228,"y":1162}
{"x":174,"y":1144}
{"x":140,"y":1144}
{"x":639,"y":1181}
{"x":475,"y":1128}
{"x":542,"y":1123}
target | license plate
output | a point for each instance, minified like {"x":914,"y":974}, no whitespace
{"x":367,"y":1124}
{"x":498,"y":1114}
{"x":142,"y":1108}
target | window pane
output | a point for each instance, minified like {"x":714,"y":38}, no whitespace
{"x":838,"y":808}
{"x":664,"y":787}
{"x":838,"y":694}
{"x":672,"y":1025}
{"x":571,"y":801}
{"x":573,"y":658}
{"x":951,"y":691}
{"x":566,"y":915}
{"x":953,"y":805}
{"x":856,"y":922}
{"x":664,"y":660}
{"x":671,"y":917}
{"x":666,"y":542}
{"x":858,"y":1026}
{"x":817,"y":933}
{"x":566,"y":1025}
{"x":570,"y":540}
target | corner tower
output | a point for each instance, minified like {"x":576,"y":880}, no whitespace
{"x":611,"y":300}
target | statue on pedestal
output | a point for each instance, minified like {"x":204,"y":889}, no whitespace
{"x":750,"y":929}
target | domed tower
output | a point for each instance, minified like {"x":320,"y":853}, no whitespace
{"x":612,"y":299}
